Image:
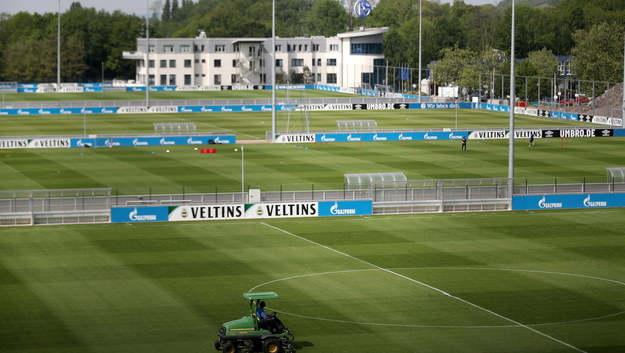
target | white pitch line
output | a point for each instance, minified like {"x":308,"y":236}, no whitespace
{"x":427,"y":286}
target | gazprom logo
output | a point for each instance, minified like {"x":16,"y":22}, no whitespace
{"x":404,"y":138}
{"x":163,"y":141}
{"x":428,"y":137}
{"x":327,"y":139}
{"x":136,"y":142}
{"x":246,"y":109}
{"x":224,"y":109}
{"x":135,"y":216}
{"x":266,"y":109}
{"x":379,"y":138}
{"x":542,"y":203}
{"x":108,"y":143}
{"x":335,"y":210}
{"x":206,"y":109}
{"x":589,"y":203}
{"x":350,"y":138}
{"x":191,"y":141}
{"x":454,"y":137}
{"x":186,"y":110}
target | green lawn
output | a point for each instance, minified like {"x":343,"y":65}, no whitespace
{"x":248,"y":125}
{"x":516,"y":282}
{"x":298,"y":167}
{"x":175,"y":95}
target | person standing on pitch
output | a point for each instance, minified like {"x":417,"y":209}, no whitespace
{"x":531,"y":140}
{"x":464,"y":143}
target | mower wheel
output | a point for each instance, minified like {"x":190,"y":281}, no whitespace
{"x":272,"y":345}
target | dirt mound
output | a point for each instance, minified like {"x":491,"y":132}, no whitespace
{"x":608,"y":104}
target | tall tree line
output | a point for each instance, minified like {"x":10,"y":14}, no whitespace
{"x":92,"y":40}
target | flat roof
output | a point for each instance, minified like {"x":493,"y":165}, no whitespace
{"x":363,"y":32}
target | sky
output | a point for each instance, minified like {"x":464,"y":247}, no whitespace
{"x":129,"y":6}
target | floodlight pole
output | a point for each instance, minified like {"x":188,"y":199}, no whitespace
{"x":147,"y":53}
{"x":623,"y":90}
{"x":420,"y":27}
{"x":58,"y":49}
{"x":512,"y":94}
{"x":273,"y":71}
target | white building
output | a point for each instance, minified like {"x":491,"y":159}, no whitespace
{"x":346,"y":60}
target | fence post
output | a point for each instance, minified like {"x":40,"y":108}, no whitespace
{"x":313,"y":192}
{"x":555,"y":186}
{"x":584,"y":185}
{"x":280,"y":192}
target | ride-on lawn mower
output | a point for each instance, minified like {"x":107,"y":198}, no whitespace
{"x":252,"y":334}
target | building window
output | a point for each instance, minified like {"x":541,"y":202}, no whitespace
{"x":334,"y":47}
{"x":236,"y":48}
{"x":203,"y":61}
{"x":152,"y":48}
{"x":151,"y":79}
{"x":172,"y":80}
{"x":297,"y":62}
{"x":318,"y":77}
{"x":197,"y":61}
{"x":187,"y":80}
{"x":233,"y":78}
{"x":279,"y":47}
{"x":185,"y":48}
{"x":331,"y":62}
{"x":163,"y":80}
{"x":315,"y":47}
{"x":163,"y":63}
{"x":235,"y":62}
{"x":217,"y":79}
{"x":168,"y":48}
{"x":314,"y":62}
{"x":220,"y":48}
{"x":331,"y":78}
{"x":217,"y":63}
{"x":172,"y":63}
{"x":278,"y":62}
{"x":187,"y":63}
{"x":319,"y":62}
{"x":151,"y":63}
{"x":366,"y":48}
{"x":305,"y":47}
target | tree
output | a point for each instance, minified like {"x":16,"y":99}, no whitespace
{"x":544,"y":62}
{"x":598,"y":53}
{"x":451,"y":68}
{"x":166,"y":11}
{"x":326,"y":18}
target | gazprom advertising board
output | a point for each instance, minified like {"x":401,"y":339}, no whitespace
{"x":389,"y":136}
{"x":555,"y":202}
{"x":242,"y":211}
{"x":151,"y":141}
{"x":139,"y":214}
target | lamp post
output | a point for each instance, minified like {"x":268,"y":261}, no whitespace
{"x":273,"y":71}
{"x":420,"y":20}
{"x":512,"y":94}
{"x":147,"y":53}
{"x":58,"y":49}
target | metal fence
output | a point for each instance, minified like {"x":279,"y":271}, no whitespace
{"x":70,"y":206}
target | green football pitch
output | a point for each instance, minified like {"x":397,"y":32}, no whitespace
{"x":551,"y":281}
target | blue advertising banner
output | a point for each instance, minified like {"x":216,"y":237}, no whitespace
{"x":139,"y":214}
{"x":554,"y":202}
{"x":619,"y":132}
{"x":345,"y":208}
{"x":390,"y":136}
{"x":26,"y":90}
{"x":151,"y":141}
{"x":93,"y":89}
{"x":58,"y":111}
{"x":441,"y":106}
{"x":232,"y":108}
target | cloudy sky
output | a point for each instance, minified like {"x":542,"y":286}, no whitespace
{"x":129,"y":6}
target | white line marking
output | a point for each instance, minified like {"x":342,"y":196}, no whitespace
{"x":427,"y":286}
{"x":253,"y":289}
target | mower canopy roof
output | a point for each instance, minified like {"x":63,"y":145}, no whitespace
{"x":260,"y":295}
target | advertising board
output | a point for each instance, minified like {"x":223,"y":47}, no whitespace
{"x":554,"y":202}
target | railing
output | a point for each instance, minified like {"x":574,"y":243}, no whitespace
{"x":413,"y":196}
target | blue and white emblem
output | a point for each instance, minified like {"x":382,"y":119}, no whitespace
{"x":362,"y":8}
